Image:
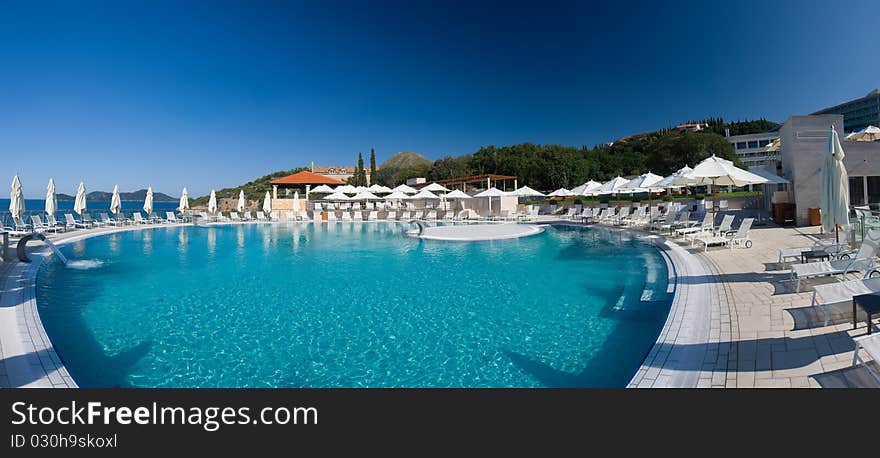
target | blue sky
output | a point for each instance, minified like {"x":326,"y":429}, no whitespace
{"x":212,"y":94}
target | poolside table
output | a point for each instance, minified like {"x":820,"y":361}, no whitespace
{"x":809,"y":255}
{"x":870,"y":303}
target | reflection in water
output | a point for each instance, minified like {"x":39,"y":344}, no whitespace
{"x":148,"y":241}
{"x":239,"y":237}
{"x":114,"y":243}
{"x":212,"y":241}
{"x":182,"y":241}
{"x":79,"y":248}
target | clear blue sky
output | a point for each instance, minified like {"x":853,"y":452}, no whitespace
{"x":211,"y":94}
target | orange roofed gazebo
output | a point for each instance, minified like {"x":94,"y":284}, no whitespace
{"x":302,"y":179}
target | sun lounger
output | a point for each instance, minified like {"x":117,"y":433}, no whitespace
{"x":418,"y":214}
{"x":138,"y":218}
{"x":832,"y":247}
{"x":864,"y":261}
{"x":842,"y":292}
{"x":358,"y":215}
{"x":870,"y":344}
{"x":20,"y":229}
{"x":706,"y":225}
{"x":346,"y":216}
{"x":740,"y":238}
{"x":331,"y":215}
{"x":405,"y":216}
{"x":50,"y":220}
{"x":72,"y":223}
{"x":373,"y":215}
{"x":87,"y":219}
{"x":247,"y":216}
{"x":39,"y":226}
{"x":391,"y":216}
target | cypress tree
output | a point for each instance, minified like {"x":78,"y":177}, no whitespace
{"x":372,"y":164}
{"x":361,"y":175}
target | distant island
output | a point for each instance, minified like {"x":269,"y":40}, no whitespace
{"x":140,"y":194}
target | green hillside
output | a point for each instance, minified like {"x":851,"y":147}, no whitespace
{"x":253,"y":190}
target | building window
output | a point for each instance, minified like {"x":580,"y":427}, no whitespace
{"x":753,"y":144}
{"x":873,"y":189}
{"x":857,"y":190}
{"x":740,"y":145}
{"x":763,"y":143}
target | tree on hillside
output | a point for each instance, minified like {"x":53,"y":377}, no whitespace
{"x":372,"y":164}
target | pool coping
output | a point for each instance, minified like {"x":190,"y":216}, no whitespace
{"x":690,"y":337}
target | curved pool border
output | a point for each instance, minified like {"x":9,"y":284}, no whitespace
{"x":680,"y":356}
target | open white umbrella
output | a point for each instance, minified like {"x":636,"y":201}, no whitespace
{"x":322,"y":189}
{"x":212,"y":203}
{"x":458,"y":194}
{"x":51,"y":198}
{"x":338,"y":195}
{"x":184,"y":201}
{"x":79,"y":204}
{"x":561,"y":192}
{"x":267,"y":203}
{"x":424,"y":194}
{"x":868,"y":134}
{"x":835,"y":184}
{"x":148,"y":201}
{"x":366,"y":195}
{"x":396,"y":195}
{"x":116,"y":202}
{"x":379,"y":189}
{"x":641,"y":183}
{"x":346,"y":188}
{"x":611,"y":187}
{"x":436,"y":187}
{"x":405,"y":189}
{"x":587,"y":188}
{"x":715,"y":171}
{"x":16,"y":198}
{"x":241,"y":202}
{"x":489,"y":194}
{"x":525,"y":191}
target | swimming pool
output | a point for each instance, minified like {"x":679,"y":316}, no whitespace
{"x":353,"y":305}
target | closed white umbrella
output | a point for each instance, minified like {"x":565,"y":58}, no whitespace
{"x":436,"y":187}
{"x":405,"y":189}
{"x":16,"y":198}
{"x":212,"y":203}
{"x":561,"y":192}
{"x":241,"y":201}
{"x":116,"y":202}
{"x":267,"y":203}
{"x":525,"y":191}
{"x":148,"y":201}
{"x":51,"y":199}
{"x":184,"y":201}
{"x":79,"y":204}
{"x":835,"y":192}
{"x":296,"y":201}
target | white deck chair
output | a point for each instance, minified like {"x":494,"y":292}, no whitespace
{"x":138,"y":218}
{"x":247,"y":216}
{"x":842,"y":292}
{"x":391,"y":215}
{"x":72,"y":223}
{"x":261,"y":216}
{"x":622,"y":215}
{"x":432,"y":215}
{"x":172,"y":218}
{"x":707,"y":225}
{"x":864,"y":260}
{"x":39,"y":226}
{"x":50,"y":219}
{"x":86,"y":218}
{"x":358,"y":215}
{"x":418,"y":214}
{"x":405,"y":215}
{"x":346,"y":216}
{"x":740,"y":238}
{"x":331,"y":215}
{"x":373,"y":215}
{"x":870,"y":344}
{"x":832,"y":247}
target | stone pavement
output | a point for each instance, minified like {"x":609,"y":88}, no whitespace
{"x":777,"y":339}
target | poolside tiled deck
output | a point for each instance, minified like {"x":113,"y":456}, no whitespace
{"x":736,"y":322}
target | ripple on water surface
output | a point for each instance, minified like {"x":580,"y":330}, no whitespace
{"x":352,"y":305}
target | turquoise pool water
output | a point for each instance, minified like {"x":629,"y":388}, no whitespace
{"x":353,"y":305}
